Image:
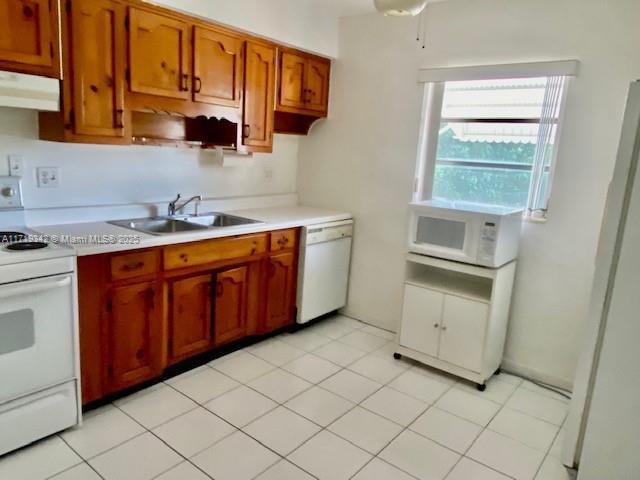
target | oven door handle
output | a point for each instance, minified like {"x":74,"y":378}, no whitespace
{"x":35,"y":287}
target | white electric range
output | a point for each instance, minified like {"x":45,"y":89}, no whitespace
{"x":39,"y":347}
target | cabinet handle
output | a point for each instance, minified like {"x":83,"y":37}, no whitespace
{"x":119,"y":118}
{"x":246,"y":131}
{"x":185,"y":82}
{"x":133,"y":266}
{"x":197,"y":87}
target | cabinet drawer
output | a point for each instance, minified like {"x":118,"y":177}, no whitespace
{"x":134,"y":264}
{"x":283,"y":239}
{"x":200,"y":253}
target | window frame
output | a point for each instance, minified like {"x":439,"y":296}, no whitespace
{"x":434,"y":86}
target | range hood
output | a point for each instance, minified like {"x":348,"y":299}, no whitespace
{"x":18,"y":90}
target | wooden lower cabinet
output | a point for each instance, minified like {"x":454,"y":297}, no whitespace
{"x":230,"y":306}
{"x":281,"y":281}
{"x":135,"y":335}
{"x":190,"y":321}
{"x":140,"y":312}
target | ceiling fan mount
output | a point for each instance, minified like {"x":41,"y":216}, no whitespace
{"x":400,"y":7}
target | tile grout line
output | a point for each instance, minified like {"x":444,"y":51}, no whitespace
{"x":240,"y":429}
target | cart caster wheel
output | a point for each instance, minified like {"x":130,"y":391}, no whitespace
{"x":498,"y":371}
{"x":481,"y":387}
{"x":397,"y":356}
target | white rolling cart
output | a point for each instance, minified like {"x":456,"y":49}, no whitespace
{"x":455,"y":316}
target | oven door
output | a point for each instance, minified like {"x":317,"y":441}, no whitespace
{"x":452,"y":235}
{"x":36,"y":335}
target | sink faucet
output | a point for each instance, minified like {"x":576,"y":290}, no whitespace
{"x":174,"y":207}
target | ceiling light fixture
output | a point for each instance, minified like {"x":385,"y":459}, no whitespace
{"x":400,"y":7}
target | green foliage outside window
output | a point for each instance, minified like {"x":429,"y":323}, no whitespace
{"x":495,"y":186}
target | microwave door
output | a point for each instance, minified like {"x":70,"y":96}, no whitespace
{"x":453,"y":236}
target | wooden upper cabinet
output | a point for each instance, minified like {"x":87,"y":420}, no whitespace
{"x":292,"y":91}
{"x":217,"y":67}
{"x":97,"y":67}
{"x":259,"y":86}
{"x":29,"y":37}
{"x":230,"y":317}
{"x":158,"y":54}
{"x":303,"y":83}
{"x":190,"y":325}
{"x":280,"y":291}
{"x":317,"y":85}
{"x":135,"y":336}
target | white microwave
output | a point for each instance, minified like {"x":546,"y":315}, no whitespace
{"x":484,"y":235}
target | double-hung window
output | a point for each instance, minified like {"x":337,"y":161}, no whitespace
{"x":492,"y":140}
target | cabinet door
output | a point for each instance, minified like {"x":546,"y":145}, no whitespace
{"x":292,"y":91}
{"x":259,"y":87}
{"x":230,"y":305}
{"x":28,"y":35}
{"x":421,"y":319}
{"x":190,"y":326}
{"x":158,"y":54}
{"x":463,"y":332}
{"x":135,"y":337}
{"x":217,"y":67}
{"x":280,"y":291}
{"x":97,"y":33}
{"x":317,"y":85}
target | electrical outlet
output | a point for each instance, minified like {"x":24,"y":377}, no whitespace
{"x":48,"y":177}
{"x":15,"y":166}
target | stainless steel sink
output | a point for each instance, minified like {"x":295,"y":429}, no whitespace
{"x":217,"y":220}
{"x":159,"y":226}
{"x":183,"y":223}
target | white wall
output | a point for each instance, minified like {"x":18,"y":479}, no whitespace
{"x":306,"y":24}
{"x":99,"y":175}
{"x":363,"y":159}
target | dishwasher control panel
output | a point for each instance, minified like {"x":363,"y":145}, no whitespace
{"x":327,"y":234}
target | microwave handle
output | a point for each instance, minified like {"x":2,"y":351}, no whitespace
{"x":12,"y":291}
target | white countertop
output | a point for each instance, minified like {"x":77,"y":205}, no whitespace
{"x":101,"y":237}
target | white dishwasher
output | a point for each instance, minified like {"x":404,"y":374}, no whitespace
{"x":323,"y":274}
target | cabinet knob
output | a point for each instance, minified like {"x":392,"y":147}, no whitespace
{"x":444,"y":327}
{"x":437,"y":325}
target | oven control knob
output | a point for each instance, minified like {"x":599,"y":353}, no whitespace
{"x":8,"y":192}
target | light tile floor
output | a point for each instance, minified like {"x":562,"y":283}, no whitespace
{"x":328,"y":402}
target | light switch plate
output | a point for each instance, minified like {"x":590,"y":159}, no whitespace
{"x":48,"y":177}
{"x":16,"y":168}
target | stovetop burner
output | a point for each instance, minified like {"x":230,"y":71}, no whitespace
{"x":11,"y":237}
{"x":20,"y":246}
